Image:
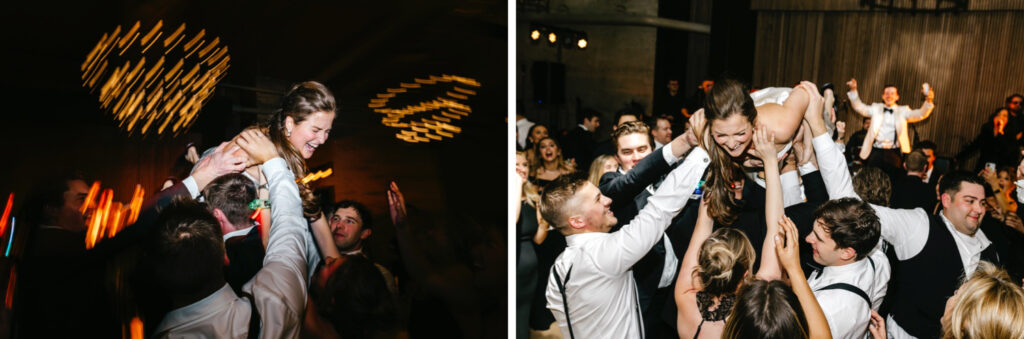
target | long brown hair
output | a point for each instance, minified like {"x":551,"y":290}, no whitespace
{"x":727,"y":97}
{"x":301,"y":101}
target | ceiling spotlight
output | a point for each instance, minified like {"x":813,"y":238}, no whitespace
{"x":581,"y":41}
{"x":535,"y":34}
{"x":552,"y":38}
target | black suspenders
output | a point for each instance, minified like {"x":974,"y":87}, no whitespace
{"x":847,"y":287}
{"x":565,"y":300}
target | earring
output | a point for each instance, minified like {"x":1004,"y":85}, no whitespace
{"x":289,"y":133}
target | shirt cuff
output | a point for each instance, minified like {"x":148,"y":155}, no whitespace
{"x":193,"y":188}
{"x":274,"y":165}
{"x":807,"y":168}
{"x":670,"y":157}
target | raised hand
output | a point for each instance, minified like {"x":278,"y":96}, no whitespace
{"x":222,"y":161}
{"x":787,"y":245}
{"x":191,"y":154}
{"x":257,"y":145}
{"x":396,"y":205}
{"x":764,"y":144}
{"x":852,"y":84}
{"x":815,"y":102}
{"x":697,"y":123}
{"x":841,"y":128}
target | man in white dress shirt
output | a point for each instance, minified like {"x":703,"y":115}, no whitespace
{"x":888,"y":136}
{"x":853,"y":280}
{"x":934,"y":251}
{"x":591,"y":290}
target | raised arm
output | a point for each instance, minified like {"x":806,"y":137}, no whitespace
{"x":634,"y":240}
{"x":926,"y":108}
{"x":787,"y":247}
{"x":701,"y":232}
{"x":623,"y":188}
{"x":284,"y":266}
{"x":855,"y":103}
{"x":764,"y":146}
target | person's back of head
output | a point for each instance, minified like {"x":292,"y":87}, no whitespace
{"x":355,"y":299}
{"x":916,"y":161}
{"x":873,"y":185}
{"x":988,"y":305}
{"x":557,"y":203}
{"x":724,"y":260}
{"x":186,"y":252}
{"x":768,"y":310}
{"x":232,"y":193}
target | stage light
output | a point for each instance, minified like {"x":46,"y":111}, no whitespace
{"x":552,"y":38}
{"x":581,"y":41}
{"x":535,"y":34}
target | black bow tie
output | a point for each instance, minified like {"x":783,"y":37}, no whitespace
{"x":887,"y":110}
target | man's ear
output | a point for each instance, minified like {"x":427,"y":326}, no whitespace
{"x":365,"y":234}
{"x":222,"y":219}
{"x":847,"y":253}
{"x":946,"y":200}
{"x":577,"y":222}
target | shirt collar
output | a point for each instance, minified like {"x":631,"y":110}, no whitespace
{"x":241,"y":232}
{"x":214,"y":303}
{"x":580,"y":238}
{"x":975,"y":244}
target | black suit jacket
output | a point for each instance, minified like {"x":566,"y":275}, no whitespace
{"x":579,"y":144}
{"x":910,"y":192}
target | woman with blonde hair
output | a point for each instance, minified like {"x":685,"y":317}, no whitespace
{"x":601,"y":165}
{"x":988,"y":305}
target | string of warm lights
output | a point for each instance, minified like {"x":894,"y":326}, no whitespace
{"x":559,"y":36}
{"x":141,"y":93}
{"x":443,"y":109}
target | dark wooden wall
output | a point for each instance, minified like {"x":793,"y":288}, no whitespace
{"x":973,"y":60}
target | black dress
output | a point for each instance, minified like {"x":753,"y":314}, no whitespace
{"x":526,"y":268}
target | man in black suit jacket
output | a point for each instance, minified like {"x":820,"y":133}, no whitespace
{"x":579,"y":143}
{"x":910,"y":191}
{"x":640,"y":169}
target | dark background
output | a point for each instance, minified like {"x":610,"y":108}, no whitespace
{"x":357,"y":49}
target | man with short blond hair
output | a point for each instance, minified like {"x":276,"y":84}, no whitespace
{"x":590,"y":281}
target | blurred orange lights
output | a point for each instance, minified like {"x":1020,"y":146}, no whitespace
{"x":147,"y":82}
{"x":105,"y":218}
{"x":432,"y":119}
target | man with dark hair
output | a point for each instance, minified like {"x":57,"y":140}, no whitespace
{"x":228,"y":198}
{"x":672,"y":102}
{"x":1015,"y":106}
{"x":853,"y":280}
{"x":888,"y":136}
{"x":933,"y":172}
{"x":621,"y":117}
{"x":591,"y":281}
{"x":933,"y":251}
{"x":911,"y":191}
{"x":661,"y":130}
{"x":579,"y":143}
{"x":204,"y":305}
{"x":351,"y":224}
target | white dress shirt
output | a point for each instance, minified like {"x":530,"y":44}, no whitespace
{"x":522,"y":128}
{"x":279,"y":288}
{"x":906,"y":229}
{"x":847,"y":313}
{"x":600,"y":293}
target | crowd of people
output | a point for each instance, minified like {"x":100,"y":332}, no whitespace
{"x":759,"y":218}
{"x":241,"y":247}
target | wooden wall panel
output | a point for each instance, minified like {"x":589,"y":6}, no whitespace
{"x":854,"y":5}
{"x":973,"y":61}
